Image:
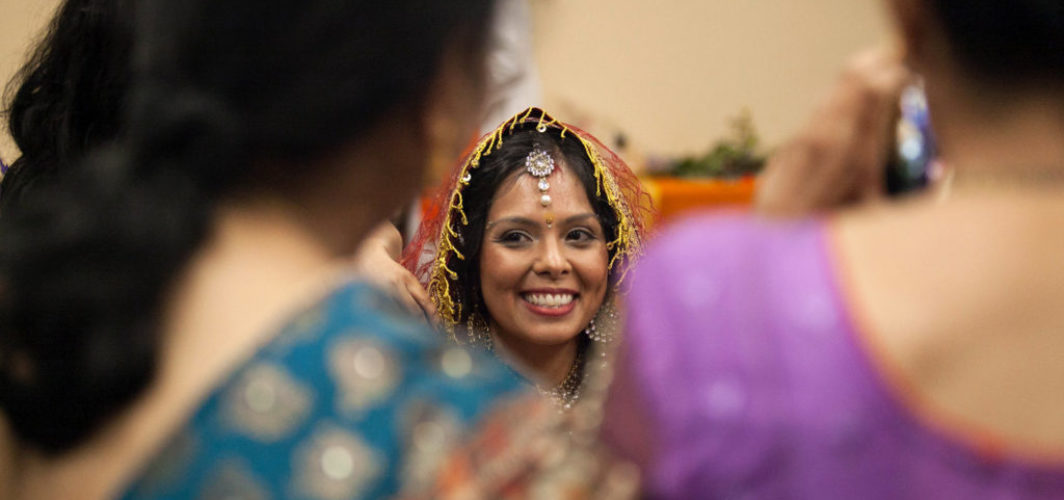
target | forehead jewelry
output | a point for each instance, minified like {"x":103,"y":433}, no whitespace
{"x":540,"y":164}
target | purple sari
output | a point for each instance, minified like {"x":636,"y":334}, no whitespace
{"x":743,"y":375}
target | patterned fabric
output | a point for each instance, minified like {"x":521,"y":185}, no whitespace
{"x":350,"y":400}
{"x":528,"y":448}
{"x":743,"y":376}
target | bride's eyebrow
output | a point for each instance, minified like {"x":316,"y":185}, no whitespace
{"x":519,"y":221}
{"x":579,"y":218}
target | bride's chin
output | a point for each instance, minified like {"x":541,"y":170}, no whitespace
{"x":546,"y":338}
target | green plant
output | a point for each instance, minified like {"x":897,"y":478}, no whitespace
{"x":735,"y":156}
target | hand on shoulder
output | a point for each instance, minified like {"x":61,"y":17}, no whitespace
{"x":377,"y":261}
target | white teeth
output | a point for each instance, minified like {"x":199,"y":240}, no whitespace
{"x":549,"y":299}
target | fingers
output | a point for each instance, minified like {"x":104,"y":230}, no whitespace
{"x":839,"y":156}
{"x":405,"y":287}
{"x":401,"y":290}
{"x":376,"y":265}
{"x":386,"y":236}
{"x":421,"y":297}
{"x":876,"y":80}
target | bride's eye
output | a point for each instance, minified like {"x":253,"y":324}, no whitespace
{"x":513,"y":238}
{"x":580,"y":235}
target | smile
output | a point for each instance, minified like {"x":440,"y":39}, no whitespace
{"x":550,"y":303}
{"x":549,"y":299}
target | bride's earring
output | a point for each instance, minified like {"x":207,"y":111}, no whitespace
{"x":598,"y":336}
{"x":477,"y":331}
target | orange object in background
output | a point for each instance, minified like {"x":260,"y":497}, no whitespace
{"x":673,"y":196}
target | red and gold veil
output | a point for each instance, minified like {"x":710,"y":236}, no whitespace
{"x":432,"y":251}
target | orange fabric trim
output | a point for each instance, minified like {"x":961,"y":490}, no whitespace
{"x":907,"y":395}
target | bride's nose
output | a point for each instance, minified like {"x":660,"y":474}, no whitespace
{"x":551,"y":260}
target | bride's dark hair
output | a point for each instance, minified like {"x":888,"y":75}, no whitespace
{"x":218,"y":87}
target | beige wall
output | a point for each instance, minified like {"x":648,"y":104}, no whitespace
{"x":21,"y":22}
{"x":670,"y":73}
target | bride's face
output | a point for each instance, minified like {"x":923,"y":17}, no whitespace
{"x":543,"y":282}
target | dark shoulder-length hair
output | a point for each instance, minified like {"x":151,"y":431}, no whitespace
{"x":69,"y":96}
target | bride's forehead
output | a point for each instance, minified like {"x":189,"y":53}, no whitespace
{"x":521,"y":190}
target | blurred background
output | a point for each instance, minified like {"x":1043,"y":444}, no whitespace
{"x":691,"y":92}
{"x":671,"y":74}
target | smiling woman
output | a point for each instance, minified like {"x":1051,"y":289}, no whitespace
{"x":528,"y":245}
{"x":544,"y":280}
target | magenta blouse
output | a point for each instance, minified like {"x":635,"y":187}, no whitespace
{"x":743,"y":375}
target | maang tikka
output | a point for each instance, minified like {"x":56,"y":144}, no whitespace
{"x":540,"y":164}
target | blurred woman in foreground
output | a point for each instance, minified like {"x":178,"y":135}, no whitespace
{"x":173,"y":319}
{"x":907,"y":350}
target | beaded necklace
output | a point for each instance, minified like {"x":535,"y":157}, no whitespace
{"x":566,"y":394}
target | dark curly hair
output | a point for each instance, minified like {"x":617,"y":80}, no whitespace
{"x":67,"y":99}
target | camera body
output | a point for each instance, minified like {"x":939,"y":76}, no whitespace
{"x":909,"y":167}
